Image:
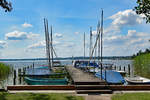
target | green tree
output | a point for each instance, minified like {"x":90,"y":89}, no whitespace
{"x":6,"y":5}
{"x":143,"y":7}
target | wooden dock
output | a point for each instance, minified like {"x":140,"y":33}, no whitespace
{"x":41,"y":87}
{"x":83,"y":78}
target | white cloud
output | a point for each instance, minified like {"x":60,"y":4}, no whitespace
{"x":17,"y":35}
{"x":2,"y":44}
{"x":122,"y":19}
{"x":68,"y":44}
{"x":41,"y":44}
{"x":126,"y":44}
{"x":127,"y":17}
{"x":94,"y":32}
{"x":58,"y":35}
{"x":76,"y":32}
{"x":32,"y":35}
{"x":26,"y":25}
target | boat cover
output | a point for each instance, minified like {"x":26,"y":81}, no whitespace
{"x":38,"y":71}
{"x":112,"y":77}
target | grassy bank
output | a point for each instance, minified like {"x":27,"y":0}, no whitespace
{"x":33,"y":96}
{"x":4,"y":70}
{"x":142,"y":65}
{"x":132,"y":96}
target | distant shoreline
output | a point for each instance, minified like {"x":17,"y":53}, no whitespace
{"x":69,"y":58}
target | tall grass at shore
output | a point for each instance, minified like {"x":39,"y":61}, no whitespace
{"x":142,"y":65}
{"x":4,"y":71}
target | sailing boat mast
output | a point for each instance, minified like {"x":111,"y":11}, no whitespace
{"x":90,"y":53}
{"x":102,"y":44}
{"x":98,"y":39}
{"x":51,"y":42}
{"x":47,"y":42}
{"x":84,"y":45}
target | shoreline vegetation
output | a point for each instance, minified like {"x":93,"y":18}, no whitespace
{"x":141,"y":63}
{"x":4,"y":71}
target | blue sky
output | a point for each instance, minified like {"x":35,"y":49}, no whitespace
{"x":22,"y":30}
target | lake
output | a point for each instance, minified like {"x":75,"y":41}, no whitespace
{"x":21,"y":64}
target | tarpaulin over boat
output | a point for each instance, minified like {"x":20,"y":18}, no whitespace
{"x":85,"y":64}
{"x":112,"y":77}
{"x":38,"y":71}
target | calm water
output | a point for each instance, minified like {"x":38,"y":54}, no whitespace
{"x":21,"y":64}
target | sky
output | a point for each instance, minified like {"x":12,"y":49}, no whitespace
{"x":22,"y":30}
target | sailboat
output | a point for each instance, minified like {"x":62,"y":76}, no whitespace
{"x":110,"y":76}
{"x":45,"y":75}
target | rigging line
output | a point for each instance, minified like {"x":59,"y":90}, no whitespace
{"x":95,"y":44}
{"x":51,"y":36}
{"x":54,"y":52}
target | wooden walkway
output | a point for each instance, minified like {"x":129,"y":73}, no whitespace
{"x":83,"y":78}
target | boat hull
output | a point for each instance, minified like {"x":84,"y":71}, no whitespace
{"x":137,"y":81}
{"x":45,"y":81}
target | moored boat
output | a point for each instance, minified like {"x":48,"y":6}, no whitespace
{"x":45,"y":81}
{"x":112,"y":77}
{"x":137,"y":80}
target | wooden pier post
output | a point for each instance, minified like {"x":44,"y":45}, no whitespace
{"x":129,"y":69}
{"x":23,"y":71}
{"x":14,"y":79}
{"x":115,"y":67}
{"x":33,"y":66}
{"x":124,"y":68}
{"x":19,"y":72}
{"x":119,"y":68}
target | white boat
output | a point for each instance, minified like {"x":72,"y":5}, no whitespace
{"x":137,"y":80}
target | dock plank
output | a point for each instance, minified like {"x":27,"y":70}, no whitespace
{"x":81,"y":78}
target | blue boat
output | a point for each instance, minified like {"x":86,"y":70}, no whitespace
{"x":112,"y":77}
{"x":84,"y":64}
{"x":38,"y":71}
{"x":39,"y":80}
{"x":45,"y":81}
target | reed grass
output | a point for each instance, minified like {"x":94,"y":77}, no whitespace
{"x":4,"y":71}
{"x":142,"y":65}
